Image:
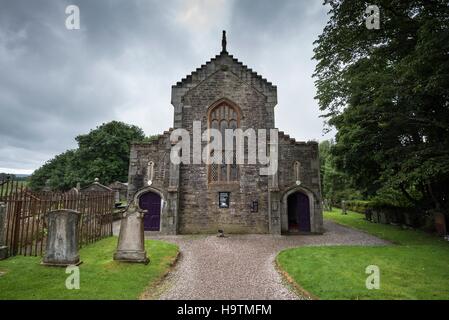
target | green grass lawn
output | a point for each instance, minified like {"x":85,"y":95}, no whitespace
{"x":416,"y":266}
{"x":100,"y":276}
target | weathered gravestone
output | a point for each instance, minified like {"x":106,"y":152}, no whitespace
{"x":62,"y":238}
{"x":3,"y":247}
{"x":343,"y":207}
{"x":131,"y":246}
{"x":327,"y":205}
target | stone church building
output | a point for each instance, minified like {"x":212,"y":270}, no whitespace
{"x":203,"y":198}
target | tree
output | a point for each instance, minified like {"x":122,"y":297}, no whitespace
{"x":335,"y":184}
{"x":386,"y":92}
{"x":57,"y":173}
{"x":102,"y":153}
{"x":324,"y":149}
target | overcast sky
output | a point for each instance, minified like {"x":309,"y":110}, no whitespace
{"x":57,"y":83}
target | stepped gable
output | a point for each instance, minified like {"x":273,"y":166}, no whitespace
{"x":224,"y":62}
{"x":286,"y":138}
{"x":161,"y":139}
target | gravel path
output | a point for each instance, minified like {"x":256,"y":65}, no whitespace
{"x":242,"y":266}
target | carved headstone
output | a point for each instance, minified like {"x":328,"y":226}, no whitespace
{"x":131,"y":246}
{"x":3,"y":247}
{"x":62,"y":238}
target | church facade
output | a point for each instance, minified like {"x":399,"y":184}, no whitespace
{"x":203,"y":198}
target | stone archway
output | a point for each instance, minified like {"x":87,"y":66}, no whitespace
{"x":300,"y":196}
{"x":152,"y":201}
{"x":298,"y":212}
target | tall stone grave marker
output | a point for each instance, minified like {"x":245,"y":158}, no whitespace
{"x":131,"y":246}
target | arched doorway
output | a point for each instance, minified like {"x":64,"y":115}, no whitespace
{"x":298,"y":206}
{"x":151,"y":202}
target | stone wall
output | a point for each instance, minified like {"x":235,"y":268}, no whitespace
{"x":157,"y":151}
{"x":120,"y":190}
{"x":306,"y":153}
{"x":96,"y":187}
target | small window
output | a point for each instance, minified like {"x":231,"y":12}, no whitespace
{"x":297,"y":172}
{"x":223,"y":199}
{"x":150,"y":172}
{"x":255,"y":206}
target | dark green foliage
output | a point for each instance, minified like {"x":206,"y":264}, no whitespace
{"x":335,"y":184}
{"x":102,"y":153}
{"x":57,"y":173}
{"x":386,"y":92}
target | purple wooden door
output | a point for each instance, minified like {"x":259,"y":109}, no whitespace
{"x":303,"y":211}
{"x":298,"y":212}
{"x":151,"y":202}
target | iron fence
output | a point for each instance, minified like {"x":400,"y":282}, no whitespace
{"x":26,"y":229}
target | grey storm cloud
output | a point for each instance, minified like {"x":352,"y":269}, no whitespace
{"x":57,"y":83}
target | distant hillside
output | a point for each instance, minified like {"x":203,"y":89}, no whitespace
{"x":17,"y":177}
{"x":22,"y":175}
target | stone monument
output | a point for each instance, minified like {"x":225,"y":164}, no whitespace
{"x":62,"y":238}
{"x":3,"y":247}
{"x":343,"y":207}
{"x":131,"y":246}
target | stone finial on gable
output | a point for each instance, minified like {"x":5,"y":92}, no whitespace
{"x":223,"y":43}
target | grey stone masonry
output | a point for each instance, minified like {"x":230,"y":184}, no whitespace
{"x":307,"y":155}
{"x":96,"y":186}
{"x":3,"y":247}
{"x":62,"y":238}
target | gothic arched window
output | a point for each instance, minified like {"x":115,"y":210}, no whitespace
{"x":221,"y":117}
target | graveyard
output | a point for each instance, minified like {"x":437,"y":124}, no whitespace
{"x":413,"y":265}
{"x":101,"y":277}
